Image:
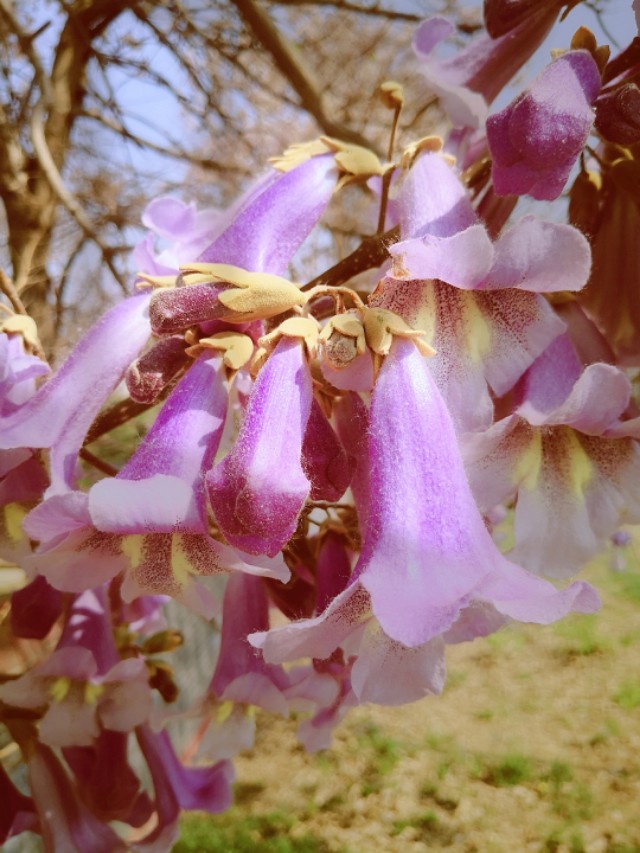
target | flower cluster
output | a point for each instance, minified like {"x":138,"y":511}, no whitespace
{"x":335,"y":455}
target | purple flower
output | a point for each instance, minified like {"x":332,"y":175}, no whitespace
{"x":473,"y":76}
{"x":59,"y":415}
{"x":264,"y":230}
{"x":429,"y":572}
{"x":536,"y":140}
{"x":178,"y":787}
{"x":476,"y":299}
{"x":258,"y":491}
{"x":242,"y":680}
{"x":574,"y":481}
{"x":150,"y":520}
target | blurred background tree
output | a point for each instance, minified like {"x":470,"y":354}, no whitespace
{"x":105,"y":104}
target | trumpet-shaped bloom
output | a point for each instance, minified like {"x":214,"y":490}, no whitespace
{"x":149,"y":521}
{"x":476,"y":299}
{"x":258,"y":491}
{"x":429,"y":571}
{"x":574,"y":484}
{"x":473,"y":76}
{"x":263,"y":232}
{"x":179,"y":787}
{"x":536,"y":140}
{"x":59,"y":415}
{"x":242,"y":680}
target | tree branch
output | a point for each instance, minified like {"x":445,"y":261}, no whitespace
{"x":286,"y":62}
{"x":371,"y":253}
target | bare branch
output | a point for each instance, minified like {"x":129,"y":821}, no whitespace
{"x":274,"y":42}
{"x":345,"y":6}
{"x":9,"y":289}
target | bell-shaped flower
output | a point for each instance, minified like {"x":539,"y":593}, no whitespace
{"x":83,"y":685}
{"x":178,"y":787}
{"x":59,"y":415}
{"x":150,"y":520}
{"x":429,"y":571}
{"x":258,"y":491}
{"x":478,"y":300}
{"x":264,"y":230}
{"x":187,"y":231}
{"x":537,"y":138}
{"x":66,"y":823}
{"x":574,"y":481}
{"x":472,"y":77}
{"x":241,"y":681}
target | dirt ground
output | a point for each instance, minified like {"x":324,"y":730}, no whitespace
{"x":534,"y":746}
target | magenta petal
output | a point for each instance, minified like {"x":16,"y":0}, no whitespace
{"x":258,"y":491}
{"x":426,"y":546}
{"x":274,"y":218}
{"x":540,"y":256}
{"x":62,"y":411}
{"x":536,"y":140}
{"x":324,"y":459}
{"x":434,"y":200}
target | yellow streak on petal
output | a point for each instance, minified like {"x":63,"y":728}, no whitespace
{"x":223,"y":712}
{"x":180,"y":565}
{"x":13,"y":516}
{"x":527,"y":471}
{"x":580,"y":466}
{"x":59,"y":689}
{"x":479,"y":332}
{"x":92,"y":693}
{"x":132,"y":546}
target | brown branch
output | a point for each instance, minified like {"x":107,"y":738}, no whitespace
{"x":98,"y":464}
{"x":371,"y":253}
{"x":289,"y":65}
{"x":9,"y":289}
{"x":346,"y":6}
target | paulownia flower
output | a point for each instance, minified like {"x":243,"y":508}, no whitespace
{"x":59,"y":415}
{"x":477,"y":300}
{"x":264,"y":231}
{"x":537,"y":138}
{"x":178,"y":787}
{"x":242,"y":680}
{"x":83,"y":685}
{"x":429,"y":571}
{"x":471,"y":78}
{"x":150,"y":520}
{"x":259,"y":489}
{"x":574,"y":484}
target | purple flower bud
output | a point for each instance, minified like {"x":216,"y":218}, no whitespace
{"x":536,"y":140}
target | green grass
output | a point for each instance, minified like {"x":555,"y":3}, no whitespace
{"x":270,"y":833}
{"x":581,"y":637}
{"x":628,"y":695}
{"x":510,"y":770}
